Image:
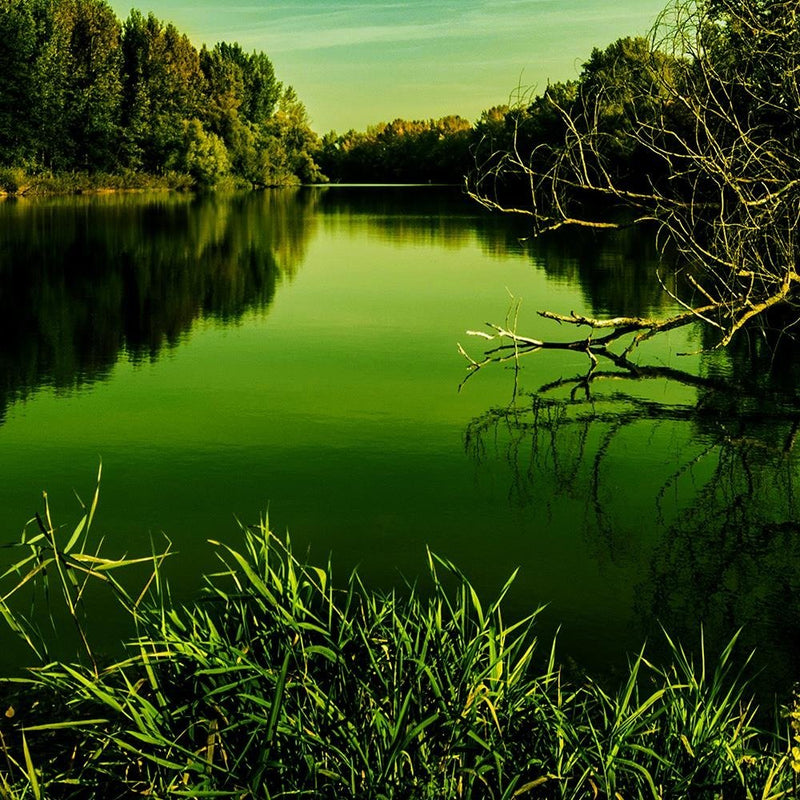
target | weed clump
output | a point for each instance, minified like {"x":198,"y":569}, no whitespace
{"x":276,"y":683}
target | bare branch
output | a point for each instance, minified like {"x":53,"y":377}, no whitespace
{"x":711,"y":105}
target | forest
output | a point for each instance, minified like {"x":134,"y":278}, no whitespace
{"x":84,"y":92}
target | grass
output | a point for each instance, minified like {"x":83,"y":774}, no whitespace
{"x":277,"y":683}
{"x":21,"y":182}
{"x":16,"y":181}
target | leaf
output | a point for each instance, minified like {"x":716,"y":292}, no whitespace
{"x":57,"y":726}
{"x":37,"y":793}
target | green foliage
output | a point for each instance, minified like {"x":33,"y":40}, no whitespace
{"x":280,"y":683}
{"x":290,"y":146}
{"x":17,"y":54}
{"x":13,"y":180}
{"x":621,"y":86}
{"x":259,"y":92}
{"x":77,"y":85}
{"x":162,"y":80}
{"x":418,"y":151}
{"x":80,"y":91}
{"x":205,"y":157}
{"x":264,"y":127}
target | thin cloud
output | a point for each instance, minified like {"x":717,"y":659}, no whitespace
{"x":281,"y":29}
{"x":359,"y":24}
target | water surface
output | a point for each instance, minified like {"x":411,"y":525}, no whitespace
{"x":295,"y":352}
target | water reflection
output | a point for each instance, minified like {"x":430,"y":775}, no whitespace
{"x":616,"y":271}
{"x":690,"y":478}
{"x":84,"y":280}
{"x":420,"y":215}
{"x":347,"y":395}
{"x":619,"y":272}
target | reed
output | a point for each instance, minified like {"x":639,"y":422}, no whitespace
{"x":278,"y":683}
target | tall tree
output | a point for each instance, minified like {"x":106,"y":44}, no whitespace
{"x":162,"y":89}
{"x":18,"y":49}
{"x":288,"y":145}
{"x":260,"y":91}
{"x":81,"y":71}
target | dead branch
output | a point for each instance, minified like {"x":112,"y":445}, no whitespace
{"x":710,"y":103}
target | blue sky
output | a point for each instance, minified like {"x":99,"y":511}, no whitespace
{"x":359,"y":62}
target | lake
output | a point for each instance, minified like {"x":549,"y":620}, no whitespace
{"x":295,"y":352}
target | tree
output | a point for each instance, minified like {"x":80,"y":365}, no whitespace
{"x":241,"y":95}
{"x":162,"y":89}
{"x":288,"y":146}
{"x":224,"y":92}
{"x":260,"y":90}
{"x":697,"y":132}
{"x":17,"y":55}
{"x":79,"y":81}
{"x":204,"y":155}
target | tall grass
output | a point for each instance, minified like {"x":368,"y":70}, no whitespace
{"x":277,"y":683}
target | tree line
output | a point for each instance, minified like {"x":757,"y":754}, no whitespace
{"x":82,"y":90}
{"x":448,"y":149}
{"x":407,"y":151}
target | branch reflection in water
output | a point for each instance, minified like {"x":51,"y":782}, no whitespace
{"x":709,"y":515}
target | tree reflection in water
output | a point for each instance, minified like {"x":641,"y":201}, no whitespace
{"x":85,"y":281}
{"x":717,"y":537}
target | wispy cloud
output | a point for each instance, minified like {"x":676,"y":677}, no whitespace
{"x":316,"y":26}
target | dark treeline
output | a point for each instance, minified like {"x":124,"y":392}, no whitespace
{"x":81,"y":90}
{"x":448,"y":149}
{"x":405,"y":151}
{"x":620,"y":87}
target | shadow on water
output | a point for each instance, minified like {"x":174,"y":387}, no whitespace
{"x":423,"y":215}
{"x":617,"y":271}
{"x":694,"y":486}
{"x":87,"y":280}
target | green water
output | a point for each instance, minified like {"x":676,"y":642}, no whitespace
{"x":295,"y":352}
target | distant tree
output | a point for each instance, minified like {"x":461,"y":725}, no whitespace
{"x":400,"y":151}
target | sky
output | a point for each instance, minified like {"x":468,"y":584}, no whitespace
{"x":356,"y":63}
